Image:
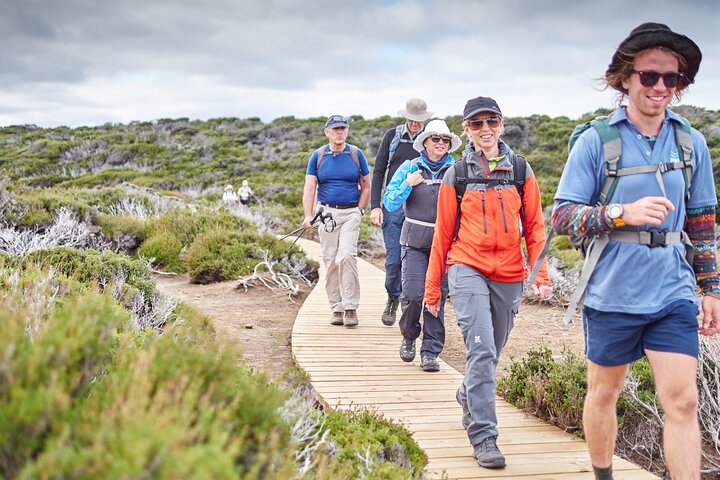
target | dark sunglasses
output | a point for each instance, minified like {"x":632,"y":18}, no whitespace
{"x":439,"y":138}
{"x":492,"y":122}
{"x":670,"y":79}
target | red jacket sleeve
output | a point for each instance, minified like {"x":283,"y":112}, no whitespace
{"x":442,"y":239}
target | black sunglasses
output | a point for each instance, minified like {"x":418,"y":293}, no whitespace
{"x":670,"y":79}
{"x":492,"y":122}
{"x":439,"y":138}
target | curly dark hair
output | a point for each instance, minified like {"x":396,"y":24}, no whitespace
{"x":615,"y":79}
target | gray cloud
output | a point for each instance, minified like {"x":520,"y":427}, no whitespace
{"x":245,"y":55}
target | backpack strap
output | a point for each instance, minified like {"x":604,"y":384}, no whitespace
{"x":684,"y":142}
{"x":612,"y":152}
{"x":461,"y":181}
{"x":322,"y":152}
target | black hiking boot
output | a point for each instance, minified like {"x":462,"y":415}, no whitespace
{"x":388,"y":316}
{"x":488,"y":454}
{"x":466,"y":417}
{"x":429,"y":363}
{"x":407,"y":350}
{"x":337,"y":318}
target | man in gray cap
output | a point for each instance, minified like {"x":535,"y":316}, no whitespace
{"x":396,"y":147}
{"x":640,"y":298}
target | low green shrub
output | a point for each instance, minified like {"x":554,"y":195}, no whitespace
{"x":389,"y":446}
{"x":43,"y":376}
{"x":90,"y":266}
{"x":221,"y":254}
{"x":165,"y":249}
{"x":125,"y":231}
{"x":551,"y":389}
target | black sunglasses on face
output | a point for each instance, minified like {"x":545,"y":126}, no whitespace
{"x":492,"y":122}
{"x":670,"y":79}
{"x":439,"y":138}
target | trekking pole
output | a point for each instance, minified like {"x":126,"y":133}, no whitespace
{"x":318,"y":216}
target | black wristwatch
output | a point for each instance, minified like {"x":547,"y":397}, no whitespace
{"x":362,"y":211}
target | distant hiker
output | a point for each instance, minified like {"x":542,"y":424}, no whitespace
{"x":641,"y":297}
{"x":395,"y":148}
{"x":415,"y":186}
{"x":488,"y":202}
{"x":338,"y":175}
{"x":245,"y":193}
{"x":229,"y":196}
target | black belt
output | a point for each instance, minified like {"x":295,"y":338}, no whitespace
{"x":341,"y":207}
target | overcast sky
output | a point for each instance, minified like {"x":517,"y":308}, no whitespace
{"x":88,"y":62}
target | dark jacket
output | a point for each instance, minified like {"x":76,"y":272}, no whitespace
{"x":384,"y":170}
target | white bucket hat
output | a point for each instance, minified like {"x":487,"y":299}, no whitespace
{"x":436,"y":127}
{"x":228,"y":187}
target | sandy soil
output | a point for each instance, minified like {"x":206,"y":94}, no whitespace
{"x":261,"y":321}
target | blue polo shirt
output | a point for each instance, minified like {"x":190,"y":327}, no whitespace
{"x":338,"y":176}
{"x":635,"y":278}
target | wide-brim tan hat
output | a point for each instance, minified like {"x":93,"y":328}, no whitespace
{"x":436,"y":127}
{"x":416,"y":110}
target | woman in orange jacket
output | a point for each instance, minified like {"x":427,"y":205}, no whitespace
{"x":480,"y":246}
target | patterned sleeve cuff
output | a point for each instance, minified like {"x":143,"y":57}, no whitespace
{"x":714,"y":291}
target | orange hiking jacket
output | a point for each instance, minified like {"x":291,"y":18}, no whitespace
{"x":489,"y":239}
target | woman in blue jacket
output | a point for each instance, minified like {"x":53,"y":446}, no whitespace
{"x":416,"y":184}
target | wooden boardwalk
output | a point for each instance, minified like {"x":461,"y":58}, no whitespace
{"x":361,"y":367}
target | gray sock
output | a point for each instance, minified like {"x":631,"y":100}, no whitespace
{"x":603,"y":473}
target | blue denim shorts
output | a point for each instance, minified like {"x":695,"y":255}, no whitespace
{"x":616,"y":338}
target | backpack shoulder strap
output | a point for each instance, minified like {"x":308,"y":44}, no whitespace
{"x":612,"y":152}
{"x":356,"y":158}
{"x":395,"y":141}
{"x":460,"y":180}
{"x":519,"y":173}
{"x":684,"y":142}
{"x":321,"y":152}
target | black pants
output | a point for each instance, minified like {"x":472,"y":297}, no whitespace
{"x":414,"y":269}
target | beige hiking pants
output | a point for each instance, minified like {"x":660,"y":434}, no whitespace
{"x":339,"y":251}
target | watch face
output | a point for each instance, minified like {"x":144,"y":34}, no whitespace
{"x":615,"y":211}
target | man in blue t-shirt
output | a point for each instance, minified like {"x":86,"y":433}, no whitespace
{"x":640,"y":299}
{"x":338,"y":179}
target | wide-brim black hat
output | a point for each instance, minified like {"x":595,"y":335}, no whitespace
{"x":652,"y":35}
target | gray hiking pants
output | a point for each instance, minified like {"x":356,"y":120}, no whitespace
{"x":485,"y":312}
{"x":414,"y":269}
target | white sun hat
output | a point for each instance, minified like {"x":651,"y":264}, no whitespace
{"x":436,"y":127}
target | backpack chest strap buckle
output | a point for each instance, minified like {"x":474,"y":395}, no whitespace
{"x":651,"y":238}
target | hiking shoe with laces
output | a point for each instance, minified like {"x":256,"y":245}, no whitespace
{"x":429,"y":363}
{"x":337,"y":318}
{"x":351,"y":319}
{"x":388,"y":316}
{"x":407,"y":350}
{"x":466,"y":417}
{"x":488,"y":454}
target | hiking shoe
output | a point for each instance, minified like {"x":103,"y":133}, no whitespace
{"x":351,"y":319}
{"x":388,"y":316}
{"x":337,"y":318}
{"x":429,"y":363}
{"x":407,"y":350}
{"x":488,"y":455}
{"x":466,"y":417}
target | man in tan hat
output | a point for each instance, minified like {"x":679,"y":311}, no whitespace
{"x":640,"y":297}
{"x":396,"y":147}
